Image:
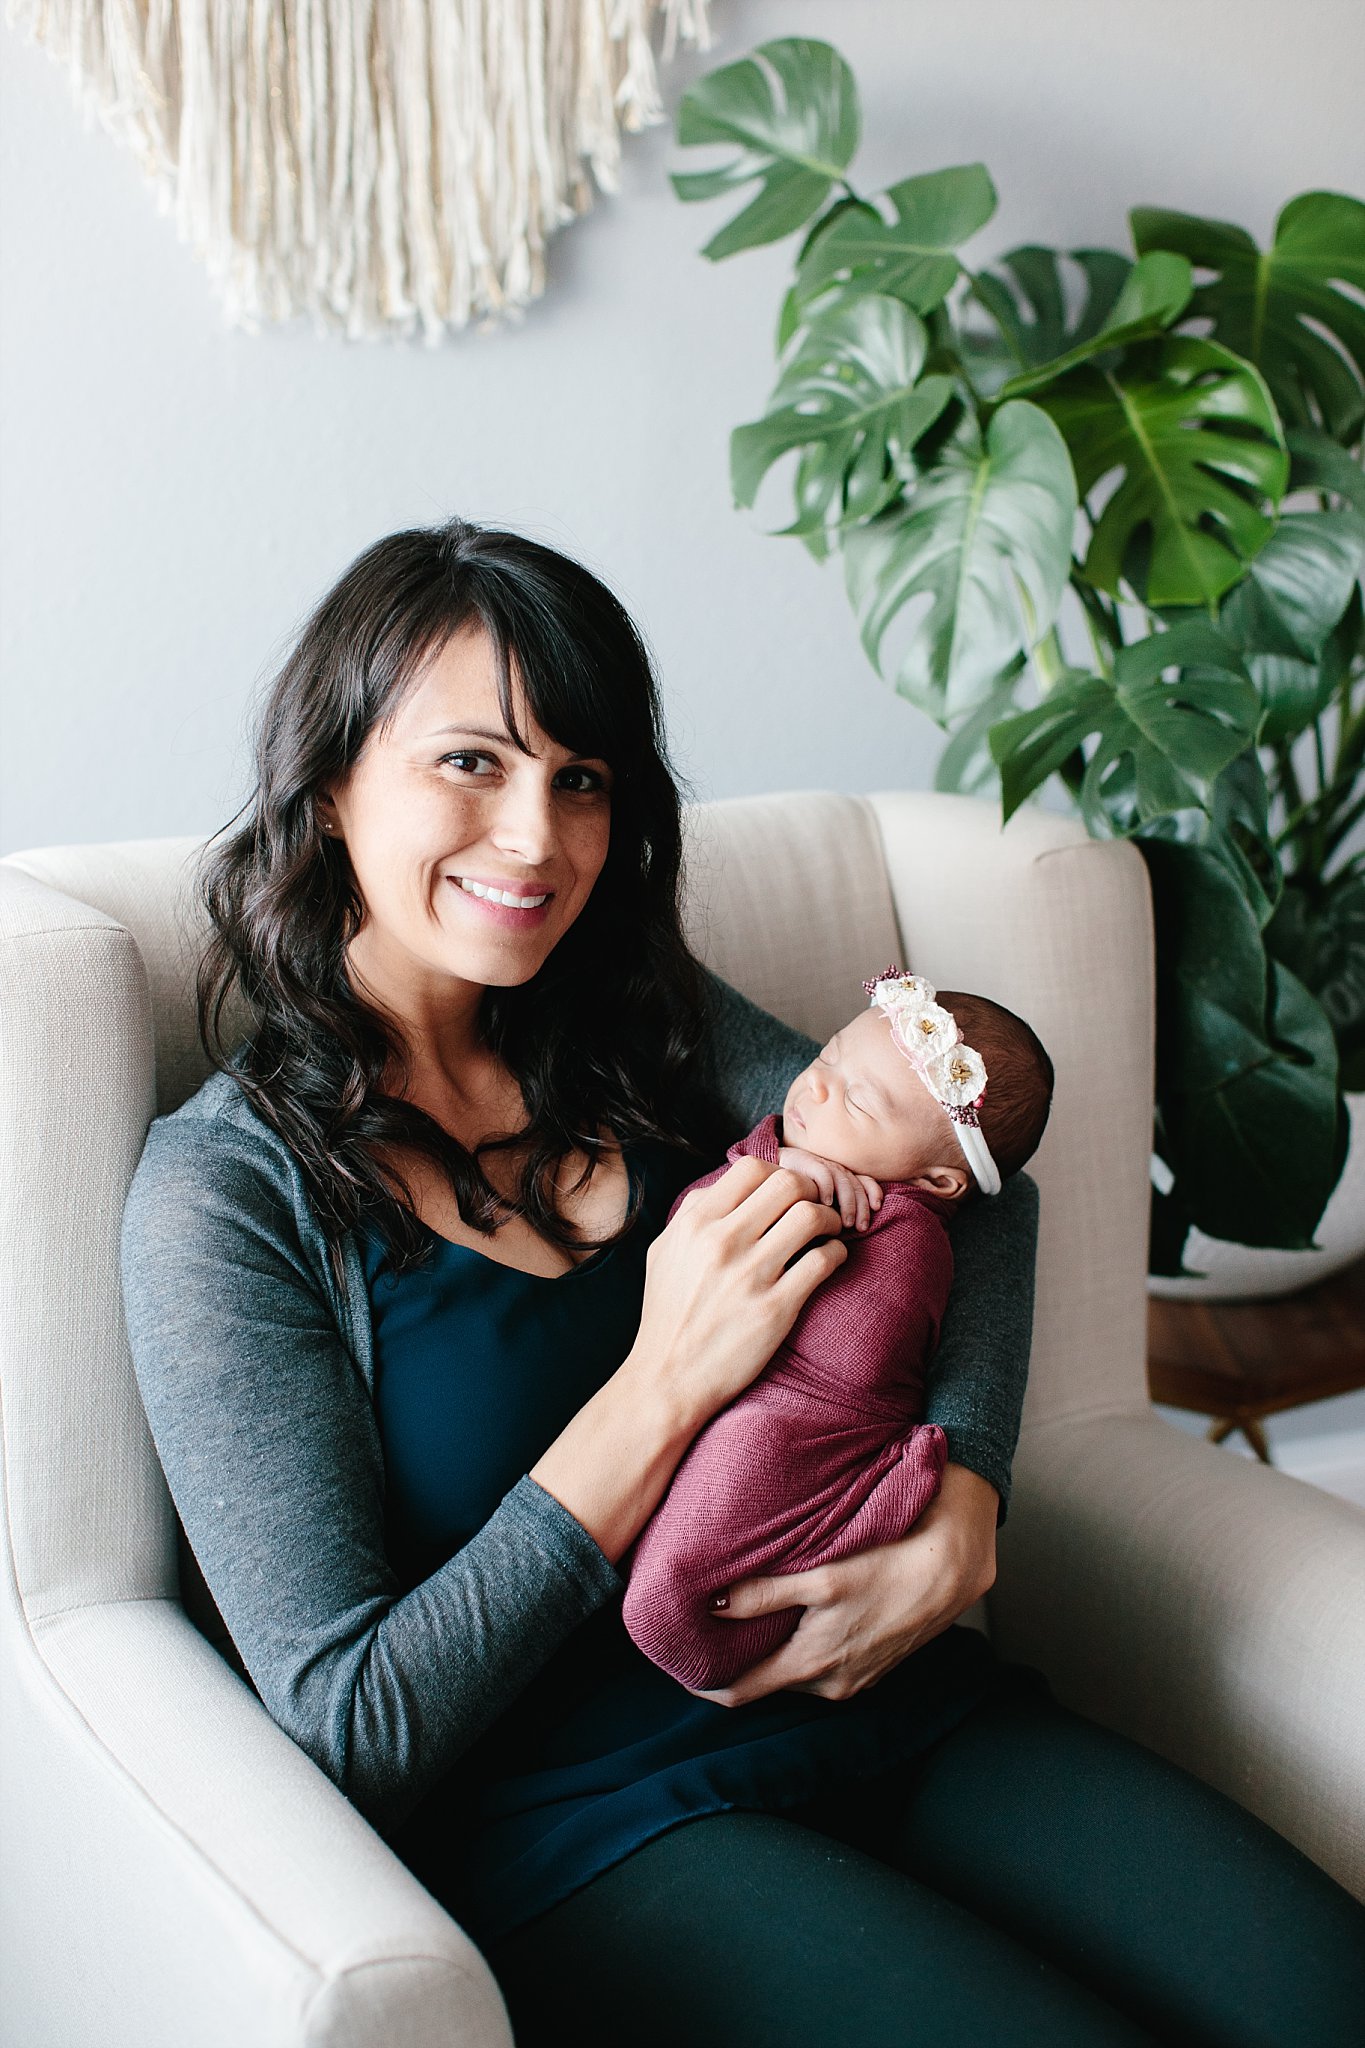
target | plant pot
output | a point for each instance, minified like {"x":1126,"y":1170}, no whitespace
{"x":1245,"y":1272}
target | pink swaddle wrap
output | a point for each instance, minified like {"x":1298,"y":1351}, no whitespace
{"x":821,"y":1455}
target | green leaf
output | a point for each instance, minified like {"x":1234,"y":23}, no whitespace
{"x":1320,"y":934}
{"x":1234,"y":826}
{"x":849,"y":397}
{"x":1192,"y":433}
{"x":1246,"y":1062}
{"x":793,"y":109}
{"x":1316,"y":463}
{"x":1298,"y":586}
{"x":911,"y":258}
{"x":1026,"y":295}
{"x":984,"y":539}
{"x":1281,"y":308}
{"x":1178,"y":708}
{"x":1155,"y":292}
{"x":966,"y":767}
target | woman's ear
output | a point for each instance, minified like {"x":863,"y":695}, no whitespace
{"x":949,"y":1183}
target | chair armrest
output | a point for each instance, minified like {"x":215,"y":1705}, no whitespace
{"x":214,"y":1887}
{"x":1203,"y":1603}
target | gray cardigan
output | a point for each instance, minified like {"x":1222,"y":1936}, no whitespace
{"x":257,"y":1375}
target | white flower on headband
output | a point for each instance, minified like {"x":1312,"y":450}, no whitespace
{"x":894,"y":992}
{"x":925,"y":1029}
{"x":957,"y":1076}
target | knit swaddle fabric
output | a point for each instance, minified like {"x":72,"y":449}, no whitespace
{"x":820,"y":1456}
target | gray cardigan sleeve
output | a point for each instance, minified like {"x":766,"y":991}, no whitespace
{"x":976,"y":1382}
{"x":268,"y":1438}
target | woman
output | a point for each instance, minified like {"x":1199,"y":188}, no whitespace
{"x":420,"y":1358}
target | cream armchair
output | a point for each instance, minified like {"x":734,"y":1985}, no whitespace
{"x":177,"y":1873}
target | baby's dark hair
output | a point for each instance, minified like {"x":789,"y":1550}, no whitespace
{"x":1019,"y":1077}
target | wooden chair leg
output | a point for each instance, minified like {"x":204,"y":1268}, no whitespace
{"x":1251,"y":1429}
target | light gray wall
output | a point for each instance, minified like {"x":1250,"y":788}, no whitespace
{"x":175,"y":495}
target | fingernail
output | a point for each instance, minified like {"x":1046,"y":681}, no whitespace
{"x":719,"y":1600}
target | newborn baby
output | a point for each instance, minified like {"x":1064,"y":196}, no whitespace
{"x":824,"y":1453}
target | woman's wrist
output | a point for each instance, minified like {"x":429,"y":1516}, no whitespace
{"x":969,"y":1504}
{"x":611,"y":1463}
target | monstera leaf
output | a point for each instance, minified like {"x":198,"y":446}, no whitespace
{"x":1246,"y":1062}
{"x":1319,"y":932}
{"x":985,"y":536}
{"x":1178,"y":709}
{"x":1155,"y":292}
{"x":1281,"y":307}
{"x":1197,"y":444}
{"x":1026,"y":297}
{"x":1316,"y":463}
{"x":911,"y":258}
{"x":793,"y":110}
{"x":967,"y":767}
{"x":1292,"y":617}
{"x":1298,"y":586}
{"x":850,"y":399}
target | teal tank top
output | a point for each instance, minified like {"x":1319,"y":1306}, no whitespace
{"x":478,"y":1368}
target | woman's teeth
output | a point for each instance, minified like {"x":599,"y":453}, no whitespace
{"x":503,"y":895}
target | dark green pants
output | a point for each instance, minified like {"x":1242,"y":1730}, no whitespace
{"x":1033,"y":1879}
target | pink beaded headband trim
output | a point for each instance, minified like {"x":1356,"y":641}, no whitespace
{"x":954,"y":1074}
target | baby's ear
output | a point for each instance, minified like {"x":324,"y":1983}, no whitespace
{"x":949,"y":1183}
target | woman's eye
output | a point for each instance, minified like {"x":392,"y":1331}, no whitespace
{"x":589,"y":781}
{"x":469,"y":762}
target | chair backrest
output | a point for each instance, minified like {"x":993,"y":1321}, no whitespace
{"x":794,"y":899}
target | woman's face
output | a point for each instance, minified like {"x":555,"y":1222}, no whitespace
{"x":444,"y":818}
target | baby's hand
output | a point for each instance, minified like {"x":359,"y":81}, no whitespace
{"x":855,"y":1195}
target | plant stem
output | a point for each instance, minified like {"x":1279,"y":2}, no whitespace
{"x":1351,"y":736}
{"x":1339,"y":828}
{"x":1104,"y":634}
{"x":1049,"y":660}
{"x":1289,"y":780}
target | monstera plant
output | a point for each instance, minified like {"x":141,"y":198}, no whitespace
{"x":1101,"y":514}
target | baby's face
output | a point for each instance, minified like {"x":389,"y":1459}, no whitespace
{"x":860,"y":1102}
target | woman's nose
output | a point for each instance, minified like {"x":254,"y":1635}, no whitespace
{"x":524,"y":828}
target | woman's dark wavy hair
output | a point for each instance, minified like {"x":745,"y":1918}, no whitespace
{"x":609,"y":1034}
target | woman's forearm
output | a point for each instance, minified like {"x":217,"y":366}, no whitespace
{"x":609,"y":1467}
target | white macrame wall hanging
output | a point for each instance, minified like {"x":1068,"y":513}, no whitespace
{"x":384,"y":166}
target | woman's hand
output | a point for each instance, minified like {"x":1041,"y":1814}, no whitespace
{"x":856,"y":1196}
{"x":866,"y":1612}
{"x":719,"y":1297}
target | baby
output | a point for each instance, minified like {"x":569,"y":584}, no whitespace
{"x":823,"y":1454}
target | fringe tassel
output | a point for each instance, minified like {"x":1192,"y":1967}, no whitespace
{"x":382,"y":166}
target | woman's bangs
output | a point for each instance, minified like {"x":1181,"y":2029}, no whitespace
{"x":579,"y":702}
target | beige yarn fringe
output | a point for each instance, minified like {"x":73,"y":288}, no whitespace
{"x":385,"y":166}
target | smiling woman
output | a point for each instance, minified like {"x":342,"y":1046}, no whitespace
{"x":421,"y":1350}
{"x":401,"y":1049}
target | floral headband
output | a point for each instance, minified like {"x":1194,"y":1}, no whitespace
{"x":954,"y":1074}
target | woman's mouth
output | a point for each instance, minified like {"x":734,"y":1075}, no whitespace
{"x":513,"y":906}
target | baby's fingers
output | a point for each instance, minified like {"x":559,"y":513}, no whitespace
{"x":853,"y":1206}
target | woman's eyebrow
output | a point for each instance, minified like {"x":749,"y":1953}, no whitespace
{"x":470,"y":732}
